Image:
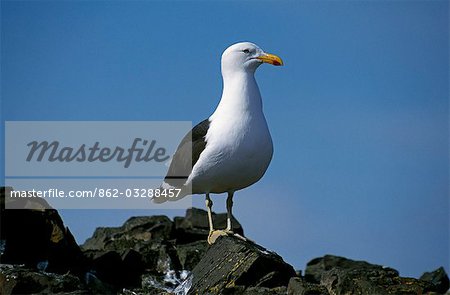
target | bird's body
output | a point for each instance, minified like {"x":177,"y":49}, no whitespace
{"x":232,"y":149}
{"x":238,"y":143}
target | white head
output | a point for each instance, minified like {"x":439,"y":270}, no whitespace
{"x":246,"y":57}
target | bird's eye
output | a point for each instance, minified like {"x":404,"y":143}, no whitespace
{"x":246,"y":51}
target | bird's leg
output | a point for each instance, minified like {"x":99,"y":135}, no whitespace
{"x":213,"y":234}
{"x":209,"y":204}
{"x":229,"y":228}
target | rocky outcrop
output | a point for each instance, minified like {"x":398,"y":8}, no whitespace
{"x":148,"y":245}
{"x":176,"y":258}
{"x":155,"y":255}
{"x":16,"y":279}
{"x":299,"y":286}
{"x":438,"y":279}
{"x":232,"y":264}
{"x":37,"y":238}
{"x":339,"y":275}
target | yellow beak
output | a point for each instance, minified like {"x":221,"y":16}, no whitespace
{"x":271,"y":59}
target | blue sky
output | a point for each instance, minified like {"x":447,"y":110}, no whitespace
{"x":358,"y":114}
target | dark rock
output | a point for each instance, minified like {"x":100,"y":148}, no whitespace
{"x":107,"y":267}
{"x":438,"y":278}
{"x":242,"y":290}
{"x":119,"y":269}
{"x":168,"y":258}
{"x":135,"y":230}
{"x":356,"y":281}
{"x":191,"y":254}
{"x":298,"y":286}
{"x":155,"y":256}
{"x":194,"y":226}
{"x":344,"y":276}
{"x":233,"y":262}
{"x":149,"y":291}
{"x":15,"y":279}
{"x":132,"y":267}
{"x":409,"y":286}
{"x":163,"y":245}
{"x":37,"y":237}
{"x":141,"y":244}
{"x":96,"y":286}
{"x":265,"y":291}
{"x":148,"y":227}
{"x":101,"y":236}
{"x":318,"y":266}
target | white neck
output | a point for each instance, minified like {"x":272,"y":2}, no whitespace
{"x":240,"y":94}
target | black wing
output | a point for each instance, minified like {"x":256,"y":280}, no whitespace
{"x":181,"y":165}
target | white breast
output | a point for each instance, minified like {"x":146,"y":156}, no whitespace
{"x":235,"y":157}
{"x":239,"y":146}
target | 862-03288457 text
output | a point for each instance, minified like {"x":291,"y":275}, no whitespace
{"x":98,"y":193}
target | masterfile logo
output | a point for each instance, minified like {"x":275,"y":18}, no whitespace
{"x":140,"y":150}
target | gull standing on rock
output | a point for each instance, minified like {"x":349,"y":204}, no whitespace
{"x":232,"y":149}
